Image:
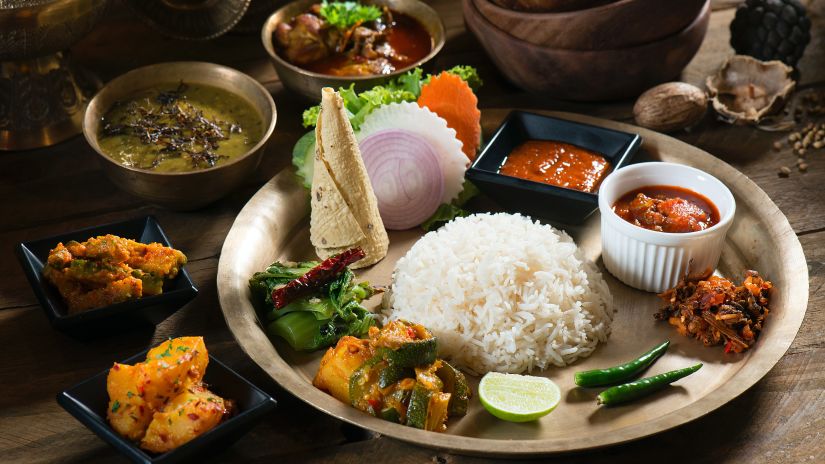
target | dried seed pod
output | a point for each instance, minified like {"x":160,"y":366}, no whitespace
{"x":671,"y":106}
{"x":745,"y":90}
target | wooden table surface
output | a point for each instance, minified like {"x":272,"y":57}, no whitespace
{"x":53,"y":190}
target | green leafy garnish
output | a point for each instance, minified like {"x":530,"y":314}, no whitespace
{"x":115,"y":406}
{"x":449,"y":211}
{"x":468,"y":73}
{"x":315,"y":321}
{"x":344,"y":15}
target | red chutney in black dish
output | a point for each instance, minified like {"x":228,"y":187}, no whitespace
{"x":557,"y":163}
{"x":667,"y":208}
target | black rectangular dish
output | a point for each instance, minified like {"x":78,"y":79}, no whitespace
{"x":149,"y":310}
{"x":556,"y":204}
{"x":88,"y":400}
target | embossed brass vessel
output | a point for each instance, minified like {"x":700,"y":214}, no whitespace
{"x":42,"y":94}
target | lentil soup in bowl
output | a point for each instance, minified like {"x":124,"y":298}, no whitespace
{"x":180,"y":134}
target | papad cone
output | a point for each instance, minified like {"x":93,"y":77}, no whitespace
{"x":344,"y":207}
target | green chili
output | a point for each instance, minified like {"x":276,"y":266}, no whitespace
{"x":642,"y":387}
{"x":621,"y":373}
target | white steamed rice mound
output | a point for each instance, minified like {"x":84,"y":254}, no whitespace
{"x":502,"y":293}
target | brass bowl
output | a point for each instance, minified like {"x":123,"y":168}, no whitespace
{"x":181,"y":190}
{"x":309,"y":84}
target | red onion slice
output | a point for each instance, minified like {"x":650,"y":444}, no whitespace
{"x":405,"y":176}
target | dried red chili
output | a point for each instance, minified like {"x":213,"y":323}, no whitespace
{"x":316,"y":277}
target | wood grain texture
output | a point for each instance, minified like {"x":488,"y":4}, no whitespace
{"x":49,"y":191}
{"x":587,"y":75}
{"x":618,"y":24}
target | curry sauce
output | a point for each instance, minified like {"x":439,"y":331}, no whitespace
{"x":667,"y":208}
{"x":557,"y":163}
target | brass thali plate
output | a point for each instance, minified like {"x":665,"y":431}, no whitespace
{"x":274,"y":225}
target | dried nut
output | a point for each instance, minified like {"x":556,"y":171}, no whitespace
{"x":803,"y":167}
{"x":784,"y":171}
{"x":801,"y":152}
{"x":797,"y":145}
{"x":670,"y":107}
{"x":818,"y":144}
{"x":777,"y":146}
{"x":800,"y":160}
{"x":793,"y":137}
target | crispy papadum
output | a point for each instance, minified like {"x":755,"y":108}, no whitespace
{"x":344,"y":208}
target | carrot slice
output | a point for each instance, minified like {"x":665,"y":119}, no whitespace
{"x":448,"y":96}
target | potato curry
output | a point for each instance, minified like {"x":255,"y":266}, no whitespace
{"x":161,"y":403}
{"x":396,"y":376}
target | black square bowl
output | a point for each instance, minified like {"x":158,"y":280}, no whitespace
{"x":556,"y":204}
{"x":146,"y":311}
{"x":88,"y":400}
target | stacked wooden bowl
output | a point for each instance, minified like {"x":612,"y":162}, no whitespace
{"x":603,"y":50}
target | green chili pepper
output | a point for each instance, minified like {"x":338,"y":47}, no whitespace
{"x":621,"y":373}
{"x":642,"y":387}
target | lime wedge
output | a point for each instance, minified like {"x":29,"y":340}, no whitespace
{"x":518,"y":398}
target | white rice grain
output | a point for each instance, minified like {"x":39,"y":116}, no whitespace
{"x":502,"y":293}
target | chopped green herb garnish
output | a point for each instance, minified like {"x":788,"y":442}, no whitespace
{"x":115,"y":406}
{"x":344,"y":15}
{"x":129,"y":394}
{"x":183,"y":349}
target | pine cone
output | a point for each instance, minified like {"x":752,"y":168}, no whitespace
{"x":771,"y":30}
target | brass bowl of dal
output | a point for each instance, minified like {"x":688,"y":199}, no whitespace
{"x":184,"y":189}
{"x":309,"y":84}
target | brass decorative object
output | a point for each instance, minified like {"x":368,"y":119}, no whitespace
{"x":42,"y":93}
{"x":191,"y":19}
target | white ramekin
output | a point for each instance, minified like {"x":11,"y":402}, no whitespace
{"x":655,"y":261}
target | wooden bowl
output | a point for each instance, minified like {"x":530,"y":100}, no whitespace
{"x":536,"y":6}
{"x":588,"y":75}
{"x":620,"y":24}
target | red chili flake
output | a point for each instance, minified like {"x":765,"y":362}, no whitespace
{"x":193,"y":416}
{"x":116,"y":367}
{"x":411,"y":333}
{"x":316,"y":277}
{"x":374,"y":403}
{"x":729,"y":346}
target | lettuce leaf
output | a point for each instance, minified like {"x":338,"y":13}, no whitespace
{"x":404,"y":88}
{"x":446,"y":212}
